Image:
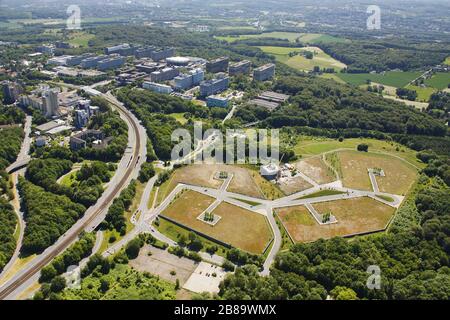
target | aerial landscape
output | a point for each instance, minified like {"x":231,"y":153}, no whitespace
{"x":224,"y":151}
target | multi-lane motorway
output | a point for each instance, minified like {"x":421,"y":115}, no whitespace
{"x":128,"y":168}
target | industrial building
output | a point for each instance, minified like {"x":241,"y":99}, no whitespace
{"x":165,"y":74}
{"x":241,"y":67}
{"x":157,"y":87}
{"x":218,"y":65}
{"x":217,"y":101}
{"x":264,"y":72}
{"x":214,"y":86}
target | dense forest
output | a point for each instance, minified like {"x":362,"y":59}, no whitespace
{"x":8,"y":222}
{"x":47,"y":216}
{"x":413,"y":259}
{"x":365,"y":56}
{"x":325,"y":104}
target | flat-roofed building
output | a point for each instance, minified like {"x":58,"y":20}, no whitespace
{"x":122,"y":49}
{"x":264,"y":72}
{"x":218,"y":65}
{"x":217,"y":101}
{"x":164,"y":74}
{"x":265,"y":104}
{"x":111,"y":63}
{"x":241,"y":67}
{"x":162,"y":54}
{"x":274,"y":96}
{"x":157,"y":87}
{"x":214,"y":86}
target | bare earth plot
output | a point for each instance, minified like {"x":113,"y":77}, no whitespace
{"x":204,"y":176}
{"x":161,"y":263}
{"x":316,"y":170}
{"x":355,"y":216}
{"x":294,"y":185}
{"x":238,"y":227}
{"x":399,"y":175}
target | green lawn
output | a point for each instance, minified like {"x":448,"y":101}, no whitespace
{"x":80,"y":39}
{"x":447,"y":61}
{"x":179,"y":117}
{"x":423,"y":94}
{"x":396,"y":79}
{"x":440,"y":80}
{"x":311,"y":146}
{"x":291,"y":36}
{"x":299,"y":62}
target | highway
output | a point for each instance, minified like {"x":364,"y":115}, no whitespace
{"x":128,"y":168}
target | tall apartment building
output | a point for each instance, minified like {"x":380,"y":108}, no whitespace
{"x":264,"y":72}
{"x":241,"y":67}
{"x":81,"y":118}
{"x":50,"y":103}
{"x":214,"y":86}
{"x":218,"y":65}
{"x":164,"y":74}
{"x":11,"y":91}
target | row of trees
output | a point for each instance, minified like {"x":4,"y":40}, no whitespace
{"x":47,"y":216}
{"x":115,"y":218}
{"x":8,"y":222}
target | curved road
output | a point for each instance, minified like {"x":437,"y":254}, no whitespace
{"x":94,"y":214}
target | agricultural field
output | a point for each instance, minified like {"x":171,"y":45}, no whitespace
{"x":355,"y":216}
{"x":312,"y":146}
{"x":399,"y":175}
{"x":395,"y":79}
{"x":241,"y":228}
{"x":291,"y":36}
{"x":439,"y":81}
{"x":316,"y":169}
{"x":299,"y":62}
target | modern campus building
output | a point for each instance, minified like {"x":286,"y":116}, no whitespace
{"x":92,"y":62}
{"x":162,"y":54}
{"x":165,"y":74}
{"x":264,"y":72}
{"x":187,"y":81}
{"x":241,"y":67}
{"x":270,"y":171}
{"x":78,"y":141}
{"x":122,"y":49}
{"x":157,"y":87}
{"x":50,"y":103}
{"x":112,"y":62}
{"x":218,"y":65}
{"x":217,"y":101}
{"x":214,"y":86}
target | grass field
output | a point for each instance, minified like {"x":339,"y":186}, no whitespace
{"x":299,"y":62}
{"x":241,"y":228}
{"x":447,"y":61}
{"x":354,"y":216}
{"x":291,"y":36}
{"x":440,"y":80}
{"x":423,"y":94}
{"x":179,"y":117}
{"x":175,"y":232}
{"x":399,"y":175}
{"x":396,"y":79}
{"x":312,"y":146}
{"x":80,"y":39}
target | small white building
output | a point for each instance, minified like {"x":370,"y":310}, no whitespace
{"x":270,"y":171}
